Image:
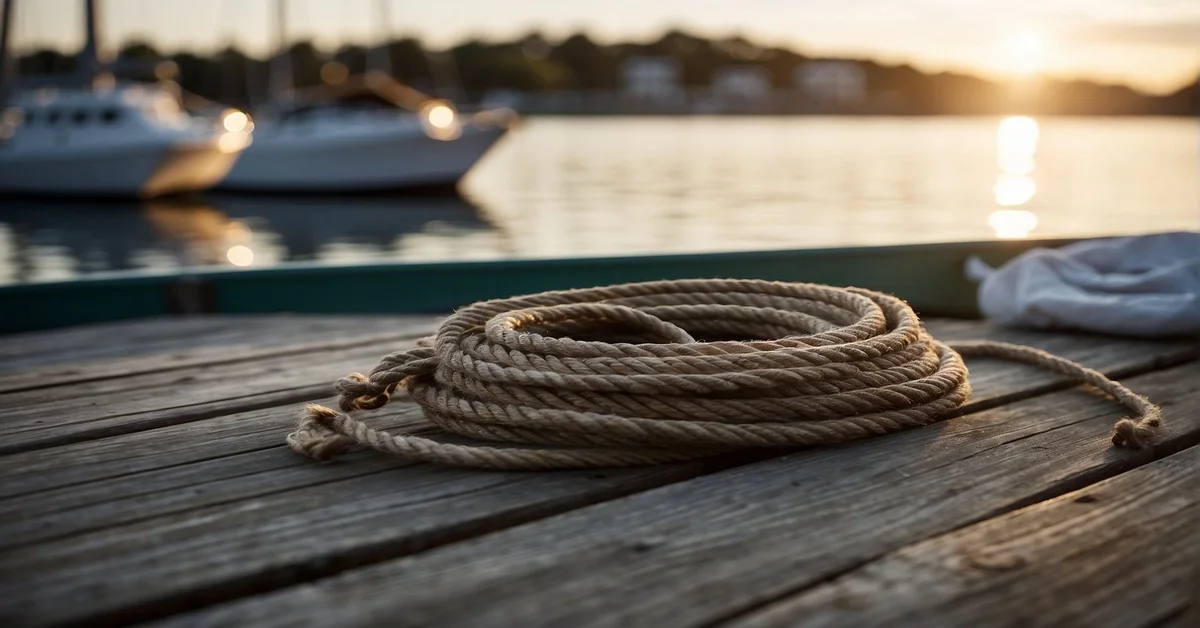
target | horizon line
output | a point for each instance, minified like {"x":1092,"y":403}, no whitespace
{"x":882,"y":60}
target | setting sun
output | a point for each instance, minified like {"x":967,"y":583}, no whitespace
{"x":1025,"y":52}
{"x":1027,"y":44}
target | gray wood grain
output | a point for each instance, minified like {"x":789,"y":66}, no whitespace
{"x":150,"y":453}
{"x":37,"y":419}
{"x":1123,"y":553}
{"x":714,"y":547}
{"x":158,"y":519}
{"x":92,"y":484}
{"x":25,"y":350}
{"x":60,"y":415}
{"x":1187,"y":617}
{"x":185,"y":467}
{"x":154,"y":567}
{"x":121,"y":350}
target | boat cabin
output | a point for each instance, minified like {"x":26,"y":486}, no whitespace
{"x":58,"y":117}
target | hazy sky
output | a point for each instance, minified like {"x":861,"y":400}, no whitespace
{"x":1151,"y":44}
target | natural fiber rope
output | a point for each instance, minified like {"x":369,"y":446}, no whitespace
{"x":615,"y":376}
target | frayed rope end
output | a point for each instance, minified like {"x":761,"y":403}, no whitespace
{"x":1137,"y":434}
{"x":315,"y":438}
{"x":357,"y":392}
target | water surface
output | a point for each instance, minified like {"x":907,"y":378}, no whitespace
{"x":600,"y":186}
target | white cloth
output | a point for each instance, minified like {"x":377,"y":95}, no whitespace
{"x":1131,"y":286}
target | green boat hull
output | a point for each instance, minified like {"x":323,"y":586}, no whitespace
{"x":929,"y":276}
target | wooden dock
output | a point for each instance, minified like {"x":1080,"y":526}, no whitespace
{"x":144,"y":478}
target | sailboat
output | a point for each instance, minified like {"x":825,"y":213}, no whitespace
{"x":89,"y":136}
{"x":368,"y":134}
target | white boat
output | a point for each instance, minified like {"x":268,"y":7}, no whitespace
{"x":364,"y":134}
{"x":133,"y":141}
{"x":89,"y":137}
{"x":367,"y":135}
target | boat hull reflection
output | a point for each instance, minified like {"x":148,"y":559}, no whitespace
{"x":65,"y":239}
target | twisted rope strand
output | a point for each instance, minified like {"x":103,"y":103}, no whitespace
{"x":645,"y":373}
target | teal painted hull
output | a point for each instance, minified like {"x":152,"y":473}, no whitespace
{"x":929,"y":276}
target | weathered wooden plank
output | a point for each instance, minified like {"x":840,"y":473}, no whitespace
{"x":64,"y":414}
{"x":171,"y":502}
{"x":23,"y":350}
{"x":211,"y":363}
{"x":156,"y":467}
{"x":992,"y":381}
{"x":1187,"y":617}
{"x":380,"y":514}
{"x":151,"y":335}
{"x":37,"y":419}
{"x":715,"y":546}
{"x":280,"y":537}
{"x":75,"y":356}
{"x":174,"y":469}
{"x":1119,"y":553}
{"x":149,"y":453}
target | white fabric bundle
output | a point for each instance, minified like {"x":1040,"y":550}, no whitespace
{"x":1131,"y":286}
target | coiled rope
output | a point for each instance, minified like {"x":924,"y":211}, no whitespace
{"x":615,"y":376}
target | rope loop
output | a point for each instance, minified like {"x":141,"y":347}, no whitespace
{"x":644,"y":373}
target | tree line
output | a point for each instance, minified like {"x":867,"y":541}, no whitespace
{"x":534,"y":63}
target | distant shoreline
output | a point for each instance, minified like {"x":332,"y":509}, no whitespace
{"x":744,"y":114}
{"x":676,"y":74}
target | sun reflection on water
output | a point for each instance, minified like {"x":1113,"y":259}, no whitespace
{"x":1012,"y":223}
{"x":1014,"y":189}
{"x":1016,"y":150}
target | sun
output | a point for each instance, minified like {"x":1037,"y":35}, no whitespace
{"x":1025,"y":51}
{"x":1026,"y":44}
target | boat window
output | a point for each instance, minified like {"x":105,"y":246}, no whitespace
{"x":53,"y":116}
{"x":29,"y":117}
{"x":110,"y":116}
{"x":79,"y":117}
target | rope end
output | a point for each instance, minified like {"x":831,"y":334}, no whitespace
{"x":357,"y":392}
{"x":1137,"y":434}
{"x":315,"y":438}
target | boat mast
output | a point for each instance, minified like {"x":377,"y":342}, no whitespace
{"x":379,"y":58}
{"x":8,"y":67}
{"x":92,"y":61}
{"x":280,"y":67}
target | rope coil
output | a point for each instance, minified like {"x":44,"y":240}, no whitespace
{"x":644,"y":373}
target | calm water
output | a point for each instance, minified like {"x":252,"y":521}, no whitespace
{"x":597,"y":186}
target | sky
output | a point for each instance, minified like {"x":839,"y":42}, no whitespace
{"x":1153,"y":45}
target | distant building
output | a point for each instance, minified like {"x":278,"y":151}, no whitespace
{"x":741,"y":85}
{"x":833,"y":83}
{"x":655,"y":79}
